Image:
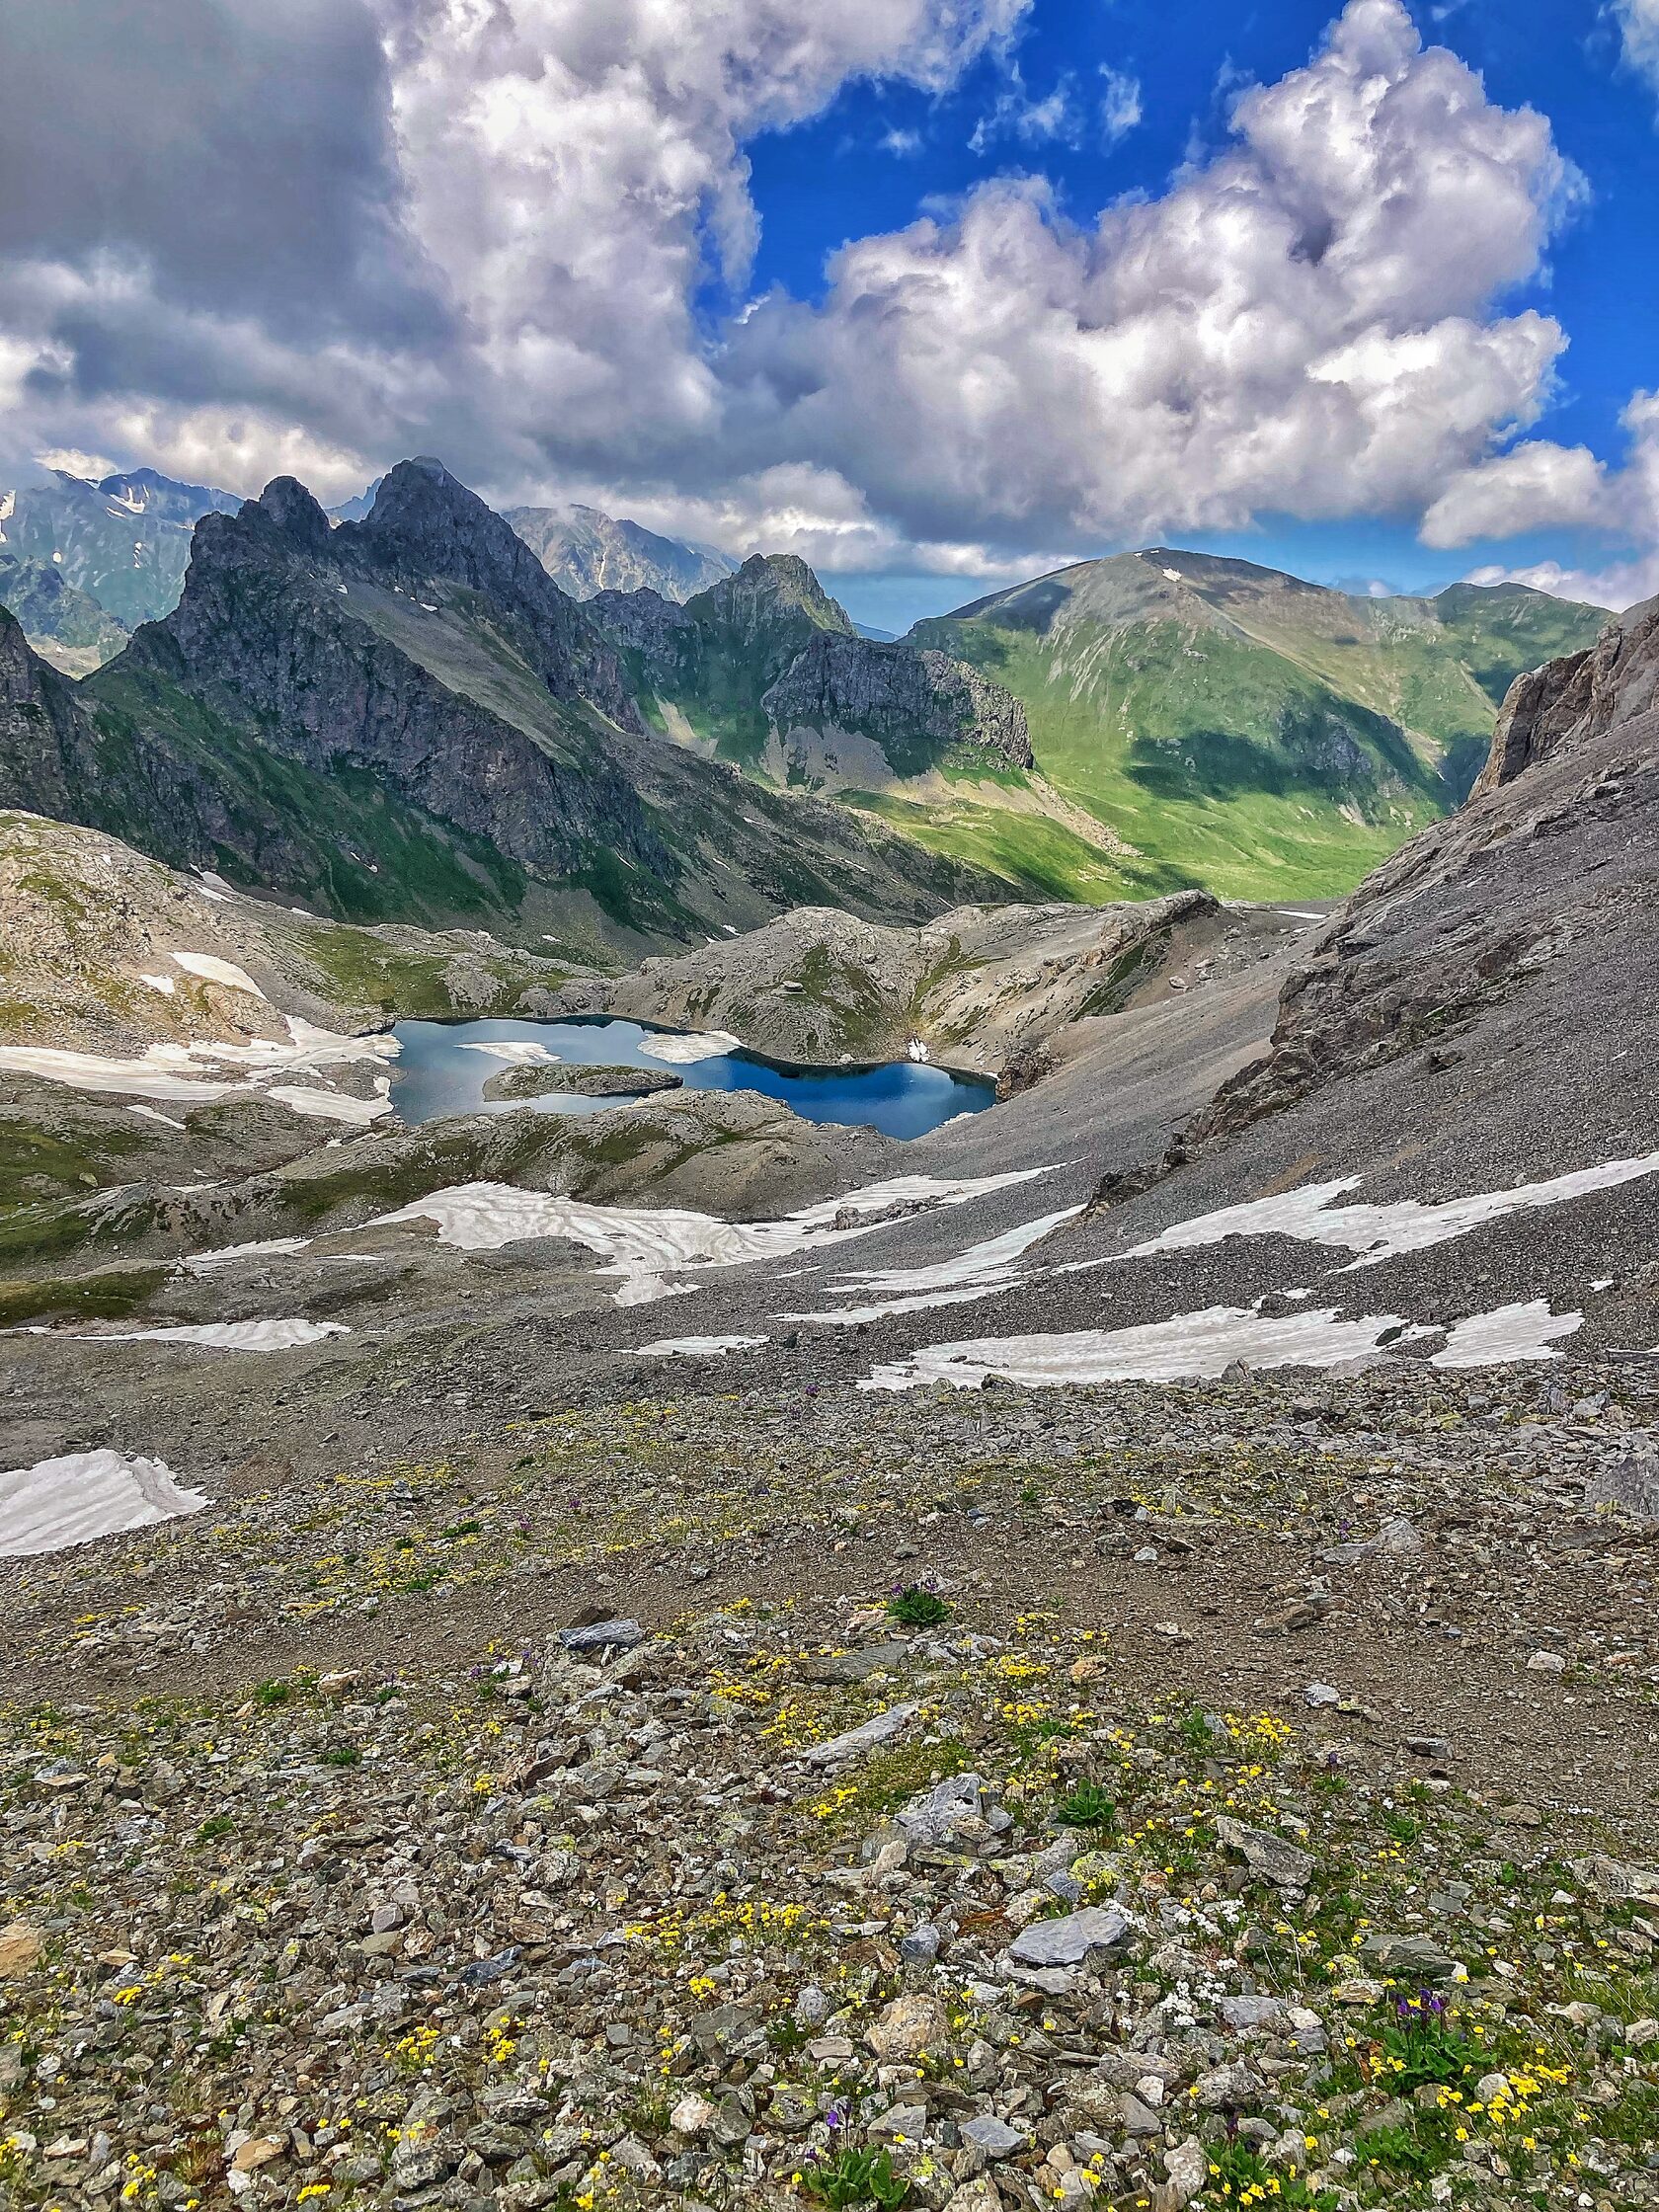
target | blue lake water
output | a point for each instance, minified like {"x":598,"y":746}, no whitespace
{"x":439,"y":1071}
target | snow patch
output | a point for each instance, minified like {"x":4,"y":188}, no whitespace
{"x":70,"y":1500}
{"x":648,"y":1245}
{"x":1183,"y":1348}
{"x":213,"y":970}
{"x":154,"y":1114}
{"x":1509,"y":1332}
{"x":978,"y":1272}
{"x":700,"y":1347}
{"x":232,"y":1255}
{"x":521,"y":1051}
{"x":217,"y":1336}
{"x":1380,"y":1233}
{"x":705,"y":1044}
{"x":1193,"y":1346}
{"x":166,"y":984}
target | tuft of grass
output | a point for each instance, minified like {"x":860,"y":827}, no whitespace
{"x":915,"y":1608}
{"x":1088,"y":1806}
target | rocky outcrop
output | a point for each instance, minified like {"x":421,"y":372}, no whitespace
{"x":767,"y":651}
{"x":899,"y":697}
{"x":532,"y":1079}
{"x":984,"y":987}
{"x":1572,"y":701}
{"x":1546,"y":873}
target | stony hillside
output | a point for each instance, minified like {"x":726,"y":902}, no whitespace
{"x":585,"y":552}
{"x":1241,"y":728}
{"x":404,"y":718}
{"x":152,"y":1021}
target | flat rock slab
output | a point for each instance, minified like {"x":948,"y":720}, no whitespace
{"x":1268,"y":1855}
{"x":859,"y":1740}
{"x":603,"y":1636}
{"x":857,"y":1666}
{"x":1069,"y":1941}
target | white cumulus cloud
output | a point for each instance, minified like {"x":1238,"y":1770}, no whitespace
{"x":518,"y":233}
{"x":1638,"y":24}
{"x":1307,"y":322}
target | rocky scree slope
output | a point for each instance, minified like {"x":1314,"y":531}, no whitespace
{"x":581,"y":1816}
{"x":1542,"y":886}
{"x":144,"y":975}
{"x":405,"y":719}
{"x":1246,"y":728}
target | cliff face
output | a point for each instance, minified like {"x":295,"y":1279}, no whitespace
{"x":1572,"y":701}
{"x":284,"y":628}
{"x":899,"y":698}
{"x":44,"y":744}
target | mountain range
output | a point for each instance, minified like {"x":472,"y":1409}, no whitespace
{"x":125,"y":540}
{"x":404,"y":718}
{"x":415,"y":708}
{"x":585,"y":551}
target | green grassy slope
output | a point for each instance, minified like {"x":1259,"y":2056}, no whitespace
{"x":1246,"y":730}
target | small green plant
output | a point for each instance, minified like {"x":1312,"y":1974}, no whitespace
{"x":273,"y":1692}
{"x":848,"y":2176}
{"x":1421,"y":2047}
{"x":915,"y":1608}
{"x":342,"y":1755}
{"x":1196,"y":1733}
{"x":1088,"y":1806}
{"x":219,"y":1824}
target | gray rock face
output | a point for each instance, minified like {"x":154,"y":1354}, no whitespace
{"x":1270,"y":1857}
{"x":935,"y":1818}
{"x":1571,"y":702}
{"x":915,"y":704}
{"x":859,"y":1740}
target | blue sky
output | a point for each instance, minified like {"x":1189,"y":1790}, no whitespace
{"x":879,"y":153}
{"x":937,"y":293}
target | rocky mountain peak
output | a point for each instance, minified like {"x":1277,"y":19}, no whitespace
{"x":293,"y":511}
{"x":769,"y":587}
